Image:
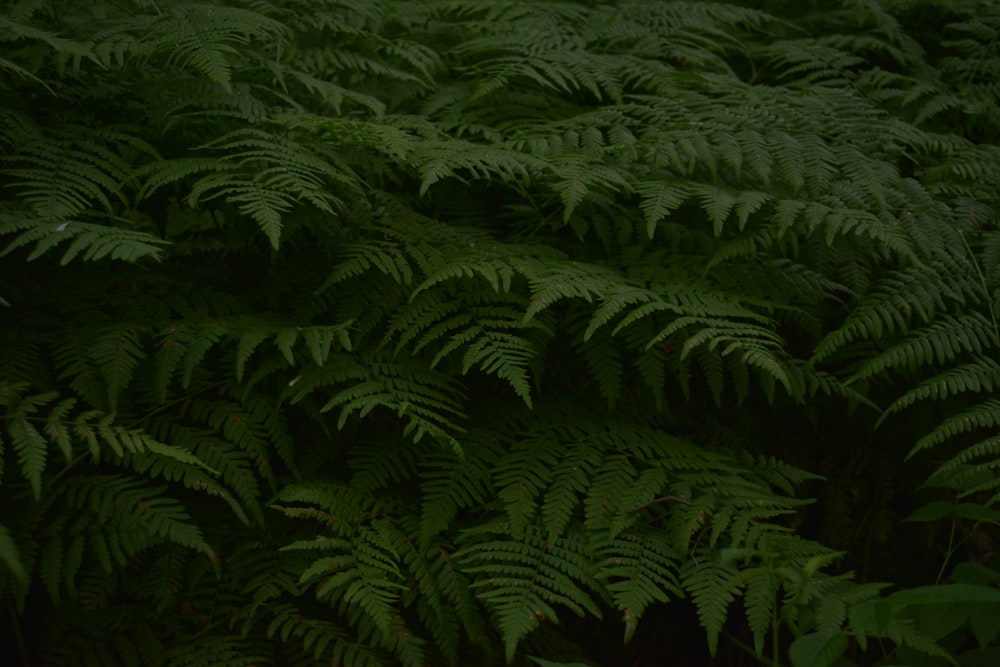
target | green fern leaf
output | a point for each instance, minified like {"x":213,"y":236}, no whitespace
{"x":760,"y":599}
{"x":529,"y":579}
{"x":449,"y":483}
{"x":362,"y":573}
{"x":204,"y":37}
{"x":712,"y":587}
{"x":28,"y":443}
{"x":982,"y":415}
{"x":639,"y":570}
{"x":942,"y":341}
{"x":118,"y":352}
{"x":11,"y":558}
{"x":95,"y":242}
{"x":601,"y":352}
{"x":659,"y":199}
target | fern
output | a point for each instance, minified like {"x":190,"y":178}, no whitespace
{"x":639,"y":571}
{"x":11,"y":558}
{"x":89,"y":241}
{"x":529,"y":577}
{"x":439,"y":333}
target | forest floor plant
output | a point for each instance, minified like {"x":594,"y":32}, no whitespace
{"x":450,"y":332}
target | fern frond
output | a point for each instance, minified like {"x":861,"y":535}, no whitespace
{"x":15,"y":28}
{"x":760,"y":598}
{"x":30,"y":445}
{"x":10,"y":556}
{"x":270,"y":174}
{"x":982,"y":415}
{"x":205,"y":37}
{"x":530,"y":578}
{"x":604,"y":359}
{"x":450,"y":483}
{"x":713,"y":588}
{"x":434,"y":607}
{"x":960,"y":471}
{"x":638,"y":570}
{"x":382,"y":257}
{"x":426,"y":399}
{"x":67,"y":173}
{"x":943,"y":341}
{"x":521,"y":477}
{"x":118,"y":353}
{"x":340,"y":507}
{"x":90,"y":241}
{"x":133,"y":517}
{"x":891,"y":305}
{"x":443,"y":159}
{"x":659,"y":199}
{"x":228,"y":650}
{"x":321,"y":638}
{"x":363,"y":575}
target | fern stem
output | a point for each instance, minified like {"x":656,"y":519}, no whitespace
{"x":166,"y":406}
{"x":68,"y":468}
{"x":54,"y":12}
{"x":982,"y":281}
{"x":21,"y":648}
{"x":749,"y":651}
{"x":775,"y":644}
{"x":80,"y":457}
{"x":953,"y":547}
{"x":948,"y":552}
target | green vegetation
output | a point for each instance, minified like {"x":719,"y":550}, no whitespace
{"x":453,"y":332}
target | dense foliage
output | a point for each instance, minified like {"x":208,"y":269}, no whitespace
{"x":452,"y":332}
